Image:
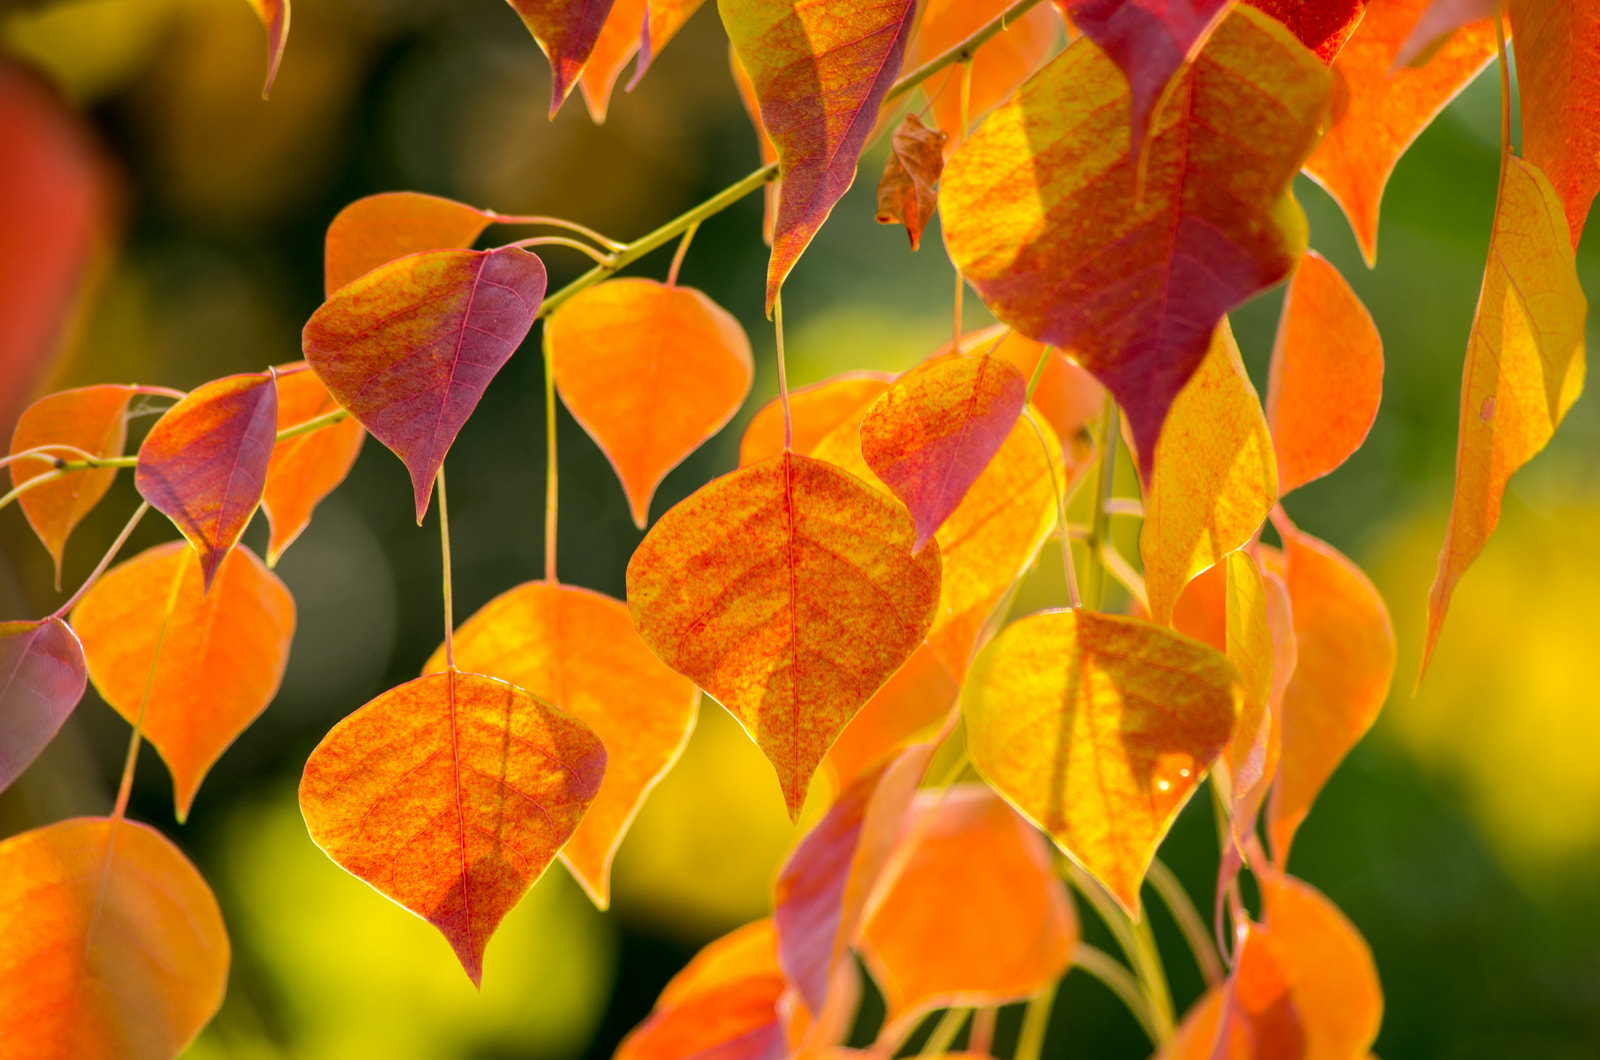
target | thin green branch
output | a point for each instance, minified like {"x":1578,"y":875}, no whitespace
{"x":944,"y":1032}
{"x":1194,"y":929}
{"x":1035,"y":1022}
{"x":1119,"y":981}
{"x":961,"y":52}
{"x":1094,"y":577}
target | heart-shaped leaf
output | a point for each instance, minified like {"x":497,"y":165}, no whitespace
{"x":305,"y":469}
{"x":906,"y":193}
{"x":42,"y":678}
{"x":392,"y":225}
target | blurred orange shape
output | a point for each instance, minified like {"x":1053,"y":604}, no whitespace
{"x":111,"y":945}
{"x":42,"y":678}
{"x":410,"y":347}
{"x":1322,"y":25}
{"x":906,"y":192}
{"x":1327,"y":374}
{"x":305,"y":469}
{"x":1215,"y":477}
{"x":91,"y":418}
{"x":392,"y":225}
{"x":975,"y":914}
{"x":450,"y":795}
{"x":198,"y":666}
{"x":619,"y":41}
{"x":815,"y":410}
{"x":1556,"y":43}
{"x":997,"y":68}
{"x":1098,"y":728}
{"x":577,"y":650}
{"x":651,"y":372}
{"x":1379,"y":110}
{"x":788,"y":591}
{"x":567,"y":32}
{"x":274,"y":16}
{"x":918,"y":696}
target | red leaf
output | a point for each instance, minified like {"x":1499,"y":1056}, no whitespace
{"x":305,"y":469}
{"x":410,"y":347}
{"x":382,"y":228}
{"x":42,"y":678}
{"x":906,"y":193}
{"x":1558,"y":77}
{"x":567,"y":31}
{"x":1322,"y":25}
{"x":204,"y":463}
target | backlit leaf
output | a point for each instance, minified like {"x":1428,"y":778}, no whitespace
{"x":204,"y":463}
{"x":42,"y":678}
{"x":111,"y":945}
{"x":1063,"y":249}
{"x":1524,"y":368}
{"x":1098,"y":728}
{"x":1327,"y":375}
{"x":906,"y":193}
{"x":1322,"y":25}
{"x":1215,"y":477}
{"x":451,"y":795}
{"x":387,"y":227}
{"x":650,"y":371}
{"x":1440,"y":20}
{"x":618,"y":42}
{"x":305,"y":469}
{"x":1558,"y":75}
{"x":91,"y":418}
{"x":788,"y":591}
{"x":997,"y":68}
{"x":913,"y":701}
{"x":820,"y":73}
{"x":816,"y":411}
{"x":976,"y":915}
{"x":1068,"y":397}
{"x":577,"y":650}
{"x":567,"y":31}
{"x":209,"y":662}
{"x":1380,"y":110}
{"x":274,"y":16}
{"x":410,"y":347}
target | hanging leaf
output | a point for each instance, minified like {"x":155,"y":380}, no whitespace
{"x":913,"y":702}
{"x":1051,"y":245}
{"x":1215,"y":477}
{"x":111,"y":945}
{"x":566,"y":30}
{"x":816,"y":411}
{"x":619,"y":41}
{"x":305,"y":469}
{"x":1321,"y":25}
{"x":821,"y":73}
{"x":906,"y":193}
{"x":1098,"y":728}
{"x":1524,"y":368}
{"x":997,"y":68}
{"x":1440,"y":20}
{"x":577,"y":651}
{"x":410,"y":347}
{"x":91,"y":418}
{"x":1558,"y":84}
{"x":450,"y":795}
{"x":1383,"y":109}
{"x":204,"y":463}
{"x":274,"y":16}
{"x":42,"y":678}
{"x":1327,"y":375}
{"x":787,"y":590}
{"x":976,"y":915}
{"x":199,"y":665}
{"x":651,"y":372}
{"x":387,"y":227}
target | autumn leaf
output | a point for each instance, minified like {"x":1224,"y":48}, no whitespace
{"x":1215,"y":477}
{"x":820,"y":73}
{"x":1380,"y":110}
{"x":815,"y":411}
{"x":650,"y":371}
{"x":1327,"y":375}
{"x":204,"y":463}
{"x":42,"y":678}
{"x":1524,"y":368}
{"x":666,"y":17}
{"x":1558,"y":85}
{"x":91,"y":418}
{"x":199,"y":666}
{"x":410,"y":347}
{"x":906,"y":193}
{"x":1134,"y":286}
{"x":975,"y":915}
{"x":274,"y":16}
{"x":450,"y":795}
{"x":788,"y":591}
{"x":305,"y":469}
{"x":917,"y":698}
{"x":111,"y":945}
{"x":619,"y":40}
{"x":392,"y":225}
{"x":995,"y":70}
{"x":1067,"y":396}
{"x":566,"y":31}
{"x":577,"y":651}
{"x":1440,"y":20}
{"x":1321,"y":25}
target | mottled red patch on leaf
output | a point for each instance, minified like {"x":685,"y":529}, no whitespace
{"x":1321,"y":25}
{"x":42,"y":678}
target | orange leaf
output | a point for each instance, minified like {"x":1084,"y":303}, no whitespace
{"x":306,"y":469}
{"x":1439,"y":21}
{"x":111,"y":945}
{"x":410,"y":347}
{"x":976,"y":915}
{"x":274,"y":16}
{"x":577,"y":651}
{"x":1215,"y":477}
{"x":204,"y":463}
{"x":92,"y":418}
{"x":1321,"y":25}
{"x":451,"y":795}
{"x":1524,"y":368}
{"x":816,"y":410}
{"x":931,"y":435}
{"x":997,"y":68}
{"x":1134,"y":286}
{"x":650,"y":371}
{"x":1559,"y":87}
{"x":42,"y":678}
{"x":1345,"y":660}
{"x":618,"y":42}
{"x":666,"y":18}
{"x":1327,"y":375}
{"x":906,"y":193}
{"x":1098,"y":728}
{"x":917,"y":697}
{"x":566,"y":30}
{"x":820,"y":72}
{"x":769,"y":151}
{"x":1067,"y":396}
{"x":382,"y":228}
{"x":201,"y":666}
{"x":1378,"y":113}
{"x":788,"y":591}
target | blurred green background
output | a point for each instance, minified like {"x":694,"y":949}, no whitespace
{"x":1462,"y":837}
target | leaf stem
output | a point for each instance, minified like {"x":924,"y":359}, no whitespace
{"x":944,"y":1032}
{"x":1035,"y":1022}
{"x":1069,"y":569}
{"x":783,"y":372}
{"x":39,"y":453}
{"x":1119,"y":981}
{"x":1105,"y":477}
{"x":980,"y":1039}
{"x":960,"y":53}
{"x":562,"y":241}
{"x":1183,"y":911}
{"x":89,"y":463}
{"x":444,"y":549}
{"x":683,"y":249}
{"x":1505,"y":91}
{"x":554,"y":222}
{"x":105,"y":561}
{"x":1147,"y":961}
{"x":551,"y":482}
{"x":125,"y":786}
{"x":316,"y":423}
{"x":33,"y":483}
